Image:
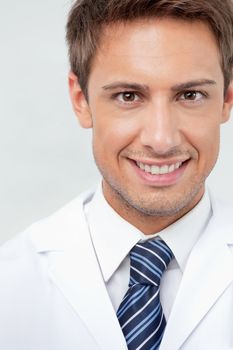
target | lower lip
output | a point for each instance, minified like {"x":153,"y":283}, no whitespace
{"x":162,"y":179}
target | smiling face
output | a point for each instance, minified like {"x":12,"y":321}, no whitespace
{"x":155,"y":104}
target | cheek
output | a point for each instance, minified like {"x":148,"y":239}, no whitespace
{"x":205,"y":139}
{"x":112,"y":134}
{"x":202,"y":126}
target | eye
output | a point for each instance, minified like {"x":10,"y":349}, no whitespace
{"x":127,"y":97}
{"x":191,"y":96}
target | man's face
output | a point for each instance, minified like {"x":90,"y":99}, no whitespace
{"x":155,"y":103}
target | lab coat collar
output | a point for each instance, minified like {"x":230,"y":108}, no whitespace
{"x":207,"y":275}
{"x":74,"y":269}
{"x":209,"y":268}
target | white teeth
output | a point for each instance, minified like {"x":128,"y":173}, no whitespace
{"x":141,"y":166}
{"x":147,"y":169}
{"x":164,"y":169}
{"x":156,"y":170}
{"x":172,"y":168}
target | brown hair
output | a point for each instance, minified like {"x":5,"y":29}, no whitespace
{"x":88,"y":17}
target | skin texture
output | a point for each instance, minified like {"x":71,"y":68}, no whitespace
{"x":155,"y":97}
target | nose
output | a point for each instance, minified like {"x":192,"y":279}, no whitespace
{"x":160,"y":130}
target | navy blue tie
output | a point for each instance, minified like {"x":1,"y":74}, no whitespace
{"x":140,"y":313}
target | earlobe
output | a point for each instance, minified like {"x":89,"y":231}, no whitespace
{"x":79,"y":102}
{"x":228,"y":103}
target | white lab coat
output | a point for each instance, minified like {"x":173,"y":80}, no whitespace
{"x":53,"y":297}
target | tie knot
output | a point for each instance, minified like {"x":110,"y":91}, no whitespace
{"x":148,"y":261}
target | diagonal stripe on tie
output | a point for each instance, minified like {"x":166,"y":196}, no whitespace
{"x":140,"y":313}
{"x":140,"y":310}
{"x":132,"y":299}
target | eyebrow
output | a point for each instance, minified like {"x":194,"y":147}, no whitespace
{"x":192,"y":84}
{"x":125,"y":85}
{"x":145,"y":88}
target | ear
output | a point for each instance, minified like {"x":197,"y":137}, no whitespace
{"x":228,"y":103}
{"x":79,"y":102}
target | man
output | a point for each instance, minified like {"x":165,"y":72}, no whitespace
{"x":153,"y":79}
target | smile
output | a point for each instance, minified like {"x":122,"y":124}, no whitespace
{"x":159,"y":170}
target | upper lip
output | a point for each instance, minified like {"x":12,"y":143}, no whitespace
{"x":160,"y":163}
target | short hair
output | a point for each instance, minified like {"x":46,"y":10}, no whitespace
{"x":87,"y":19}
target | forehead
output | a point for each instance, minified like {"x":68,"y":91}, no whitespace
{"x":157,"y":47}
{"x":153,"y":29}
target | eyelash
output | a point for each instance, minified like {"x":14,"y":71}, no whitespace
{"x":202,"y":93}
{"x":140,"y":97}
{"x":118,"y":94}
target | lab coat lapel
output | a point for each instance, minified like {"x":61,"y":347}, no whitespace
{"x":207,"y":274}
{"x":75,"y":271}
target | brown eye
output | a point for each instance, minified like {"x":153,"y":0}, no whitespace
{"x":190,"y":95}
{"x":128,"y":96}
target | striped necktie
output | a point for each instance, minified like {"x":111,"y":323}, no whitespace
{"x":140,"y":313}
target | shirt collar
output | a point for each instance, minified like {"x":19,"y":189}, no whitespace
{"x":183,"y":234}
{"x":113,"y":237}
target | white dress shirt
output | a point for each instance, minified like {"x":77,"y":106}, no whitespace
{"x":113,"y":238}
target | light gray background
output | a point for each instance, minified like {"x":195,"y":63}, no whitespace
{"x":45,"y":156}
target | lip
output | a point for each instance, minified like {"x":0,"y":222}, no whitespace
{"x":160,"y":180}
{"x":160,"y":163}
